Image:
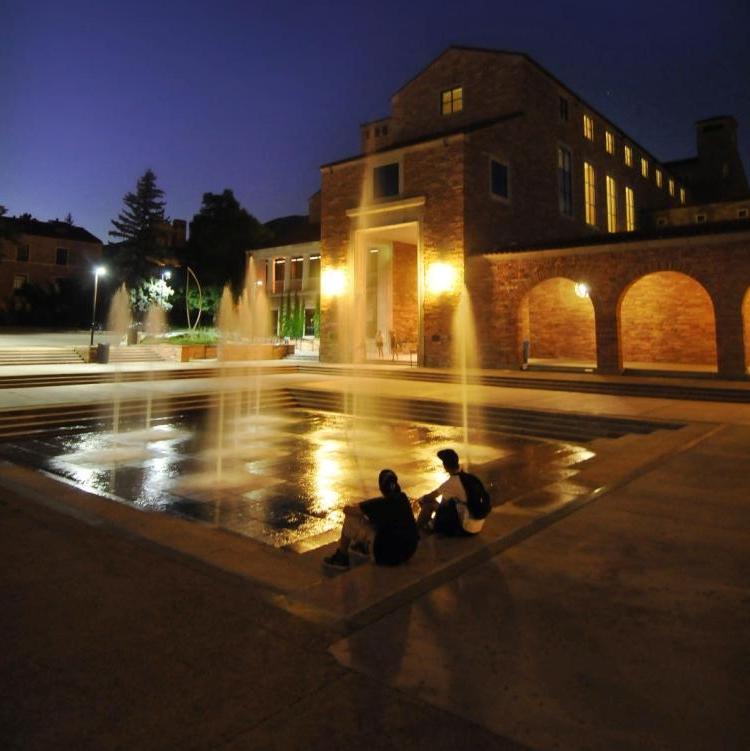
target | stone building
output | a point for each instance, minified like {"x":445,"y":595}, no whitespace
{"x":577,"y":246}
{"x":43,"y":253}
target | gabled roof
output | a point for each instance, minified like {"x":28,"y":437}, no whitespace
{"x":54,"y":229}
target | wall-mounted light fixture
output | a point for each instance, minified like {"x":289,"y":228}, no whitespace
{"x":441,"y":278}
{"x":333,"y":282}
{"x":582,"y":289}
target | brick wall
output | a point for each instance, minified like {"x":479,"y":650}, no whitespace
{"x":667,"y":318}
{"x":557,"y":322}
{"x":405,"y":309}
{"x":719,"y":264}
{"x":746,"y":326}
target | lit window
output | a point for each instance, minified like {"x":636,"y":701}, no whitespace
{"x":700,"y":218}
{"x":742,"y":213}
{"x":563,"y":109}
{"x":611,"y":205}
{"x":644,"y":167}
{"x":564,"y":181}
{"x":659,"y":179}
{"x":628,"y":156}
{"x":452,"y":100}
{"x":682,"y":195}
{"x":629,"y":209}
{"x":309,"y":322}
{"x":588,"y":128}
{"x":385,"y":181}
{"x":498,"y":179}
{"x":279,"y":266}
{"x":19,"y":280}
{"x":609,"y":142}
{"x":295,"y":273}
{"x":22,"y":253}
{"x":671,"y":186}
{"x":313,"y":269}
{"x":61,"y":257}
{"x":589,"y":181}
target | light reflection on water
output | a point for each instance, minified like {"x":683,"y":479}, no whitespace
{"x":284,"y":477}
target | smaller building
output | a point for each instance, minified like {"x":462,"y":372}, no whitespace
{"x":43,"y":254}
{"x":288,"y":266}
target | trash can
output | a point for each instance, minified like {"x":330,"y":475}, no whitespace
{"x":102,"y":353}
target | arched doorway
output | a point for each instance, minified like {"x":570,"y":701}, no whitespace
{"x":556,"y":318}
{"x":667,"y":322}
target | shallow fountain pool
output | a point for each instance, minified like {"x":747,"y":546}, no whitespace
{"x":281,"y":477}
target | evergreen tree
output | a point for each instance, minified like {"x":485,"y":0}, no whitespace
{"x":137,"y":228}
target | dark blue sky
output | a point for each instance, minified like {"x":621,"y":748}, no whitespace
{"x":254,"y":96}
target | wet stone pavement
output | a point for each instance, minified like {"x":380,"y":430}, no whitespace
{"x":283,"y":477}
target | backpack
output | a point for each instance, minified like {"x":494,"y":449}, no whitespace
{"x":478,"y":500}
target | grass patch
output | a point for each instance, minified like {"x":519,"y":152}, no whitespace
{"x":201,"y":336}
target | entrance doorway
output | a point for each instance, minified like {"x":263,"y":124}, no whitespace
{"x":388,"y":294}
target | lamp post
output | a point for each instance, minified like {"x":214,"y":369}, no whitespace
{"x":98,"y":271}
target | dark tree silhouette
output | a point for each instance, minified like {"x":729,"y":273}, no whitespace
{"x":136,"y":227}
{"x":219,"y":236}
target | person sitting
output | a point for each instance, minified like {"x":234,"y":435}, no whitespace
{"x":385,"y":526}
{"x":450,"y":516}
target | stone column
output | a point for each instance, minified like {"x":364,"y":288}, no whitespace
{"x":730,"y":344}
{"x":608,"y":356}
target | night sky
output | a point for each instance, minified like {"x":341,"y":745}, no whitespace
{"x":255,"y":96}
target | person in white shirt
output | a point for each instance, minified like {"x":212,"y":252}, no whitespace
{"x":449,"y":515}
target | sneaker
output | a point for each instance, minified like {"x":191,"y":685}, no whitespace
{"x":361,"y":548}
{"x":338,"y":560}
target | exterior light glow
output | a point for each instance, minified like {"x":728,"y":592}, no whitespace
{"x":333,"y":282}
{"x":166,"y":275}
{"x":259,"y":282}
{"x":582,"y":289}
{"x":441,"y":277}
{"x":100,"y":271}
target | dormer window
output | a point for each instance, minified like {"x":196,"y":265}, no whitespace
{"x":386,"y":181}
{"x":452,"y":100}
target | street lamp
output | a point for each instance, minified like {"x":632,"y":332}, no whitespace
{"x":98,"y":271}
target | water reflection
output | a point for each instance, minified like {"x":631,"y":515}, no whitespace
{"x":284,"y":477}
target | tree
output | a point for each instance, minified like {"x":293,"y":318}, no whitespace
{"x":151,"y":292}
{"x":136,"y":227}
{"x":219,"y":236}
{"x":69,"y":219}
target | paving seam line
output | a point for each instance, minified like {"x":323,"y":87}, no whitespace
{"x":451,"y":570}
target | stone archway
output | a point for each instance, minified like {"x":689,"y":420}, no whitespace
{"x":558,"y":323}
{"x":667,"y":322}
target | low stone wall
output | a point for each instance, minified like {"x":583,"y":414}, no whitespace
{"x":231,"y":352}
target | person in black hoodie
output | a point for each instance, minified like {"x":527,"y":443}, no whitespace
{"x":384,"y":525}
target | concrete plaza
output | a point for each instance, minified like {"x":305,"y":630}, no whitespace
{"x":615,"y":617}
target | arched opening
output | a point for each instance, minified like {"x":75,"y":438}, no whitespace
{"x":746,"y":328}
{"x":556,"y":318}
{"x":667,"y":323}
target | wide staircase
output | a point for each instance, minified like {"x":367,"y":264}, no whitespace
{"x":39,"y":356}
{"x":134,"y":353}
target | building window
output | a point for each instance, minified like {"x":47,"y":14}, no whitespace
{"x":589,"y":184}
{"x":588,"y":128}
{"x":452,"y":100}
{"x":313,"y":268}
{"x":671,"y":186}
{"x":385,"y":181}
{"x":662,"y":221}
{"x":682,"y":195}
{"x":309,"y":322}
{"x":563,"y":109}
{"x":22,"y":253}
{"x":499,"y":179}
{"x":644,"y":167}
{"x":659,"y":178}
{"x":628,"y":156}
{"x":611,"y":205}
{"x":609,"y":142}
{"x":279,"y":267}
{"x":742,"y":213}
{"x":295,"y":273}
{"x":700,"y":218}
{"x":629,"y":210}
{"x":19,"y":280}
{"x":564,"y":181}
{"x":61,"y":257}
